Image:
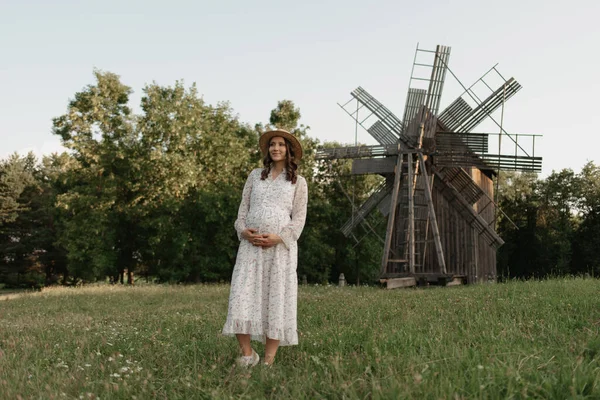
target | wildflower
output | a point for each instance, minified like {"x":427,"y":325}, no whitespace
{"x":62,"y":364}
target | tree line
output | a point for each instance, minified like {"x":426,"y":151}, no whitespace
{"x":558,"y":221}
{"x":154,"y":195}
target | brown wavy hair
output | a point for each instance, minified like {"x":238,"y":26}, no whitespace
{"x":291,"y":167}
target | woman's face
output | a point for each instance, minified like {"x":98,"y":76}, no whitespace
{"x":277,"y":149}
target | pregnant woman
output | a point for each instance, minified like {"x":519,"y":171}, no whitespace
{"x":264,"y":284}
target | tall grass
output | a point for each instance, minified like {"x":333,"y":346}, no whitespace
{"x":514,"y":340}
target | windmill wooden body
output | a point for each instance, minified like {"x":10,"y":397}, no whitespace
{"x":438,"y":189}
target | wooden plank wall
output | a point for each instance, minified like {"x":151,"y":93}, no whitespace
{"x":456,"y":236}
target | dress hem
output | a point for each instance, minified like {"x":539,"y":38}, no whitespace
{"x":258,"y":332}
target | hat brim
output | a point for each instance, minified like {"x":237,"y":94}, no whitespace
{"x":266,"y":137}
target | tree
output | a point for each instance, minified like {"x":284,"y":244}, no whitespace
{"x":133,"y":199}
{"x":16,"y":176}
{"x":544,"y":213}
{"x":585,"y":241}
{"x":99,"y":129}
{"x":556,"y":220}
{"x":285,"y":116}
{"x":195,"y":157}
{"x":28,"y":249}
{"x":16,"y":173}
{"x":587,"y":190}
{"x":357,"y":256}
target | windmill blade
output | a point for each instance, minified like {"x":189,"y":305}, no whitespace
{"x":382,"y":134}
{"x":422,"y":128}
{"x":467,"y":211}
{"x":464,"y":159}
{"x":438,"y":77}
{"x":382,"y":166}
{"x":489,"y":161}
{"x":384,"y":204}
{"x":455,"y":114}
{"x":464,"y":184}
{"x":460,"y":117}
{"x":387,"y":118}
{"x":451,"y":142}
{"x":513,"y":162}
{"x":338,"y":153}
{"x":415,"y":115}
{"x":415,"y":98}
{"x":364,"y":222}
{"x":422,"y":105}
{"x":489,"y":105}
{"x":382,"y":190}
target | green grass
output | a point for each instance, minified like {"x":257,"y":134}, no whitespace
{"x":535,"y":339}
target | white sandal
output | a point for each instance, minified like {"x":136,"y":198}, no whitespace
{"x":248,"y":361}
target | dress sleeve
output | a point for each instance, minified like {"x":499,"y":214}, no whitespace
{"x":291,"y":232}
{"x":240,"y":222}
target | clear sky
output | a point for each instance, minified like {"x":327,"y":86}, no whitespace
{"x":253,"y":53}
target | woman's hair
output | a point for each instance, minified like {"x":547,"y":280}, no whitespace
{"x":290,"y":164}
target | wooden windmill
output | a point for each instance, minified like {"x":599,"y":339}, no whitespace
{"x":438,"y":189}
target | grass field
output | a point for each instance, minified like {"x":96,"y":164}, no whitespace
{"x":537,"y":339}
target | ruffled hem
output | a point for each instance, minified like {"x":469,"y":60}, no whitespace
{"x":259,"y":332}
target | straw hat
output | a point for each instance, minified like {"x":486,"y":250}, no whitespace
{"x":265,"y":140}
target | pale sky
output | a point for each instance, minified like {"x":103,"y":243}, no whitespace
{"x":254,"y":53}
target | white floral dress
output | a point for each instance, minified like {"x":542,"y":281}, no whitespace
{"x":264,"y":284}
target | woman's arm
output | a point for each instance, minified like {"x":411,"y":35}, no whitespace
{"x":240,"y":222}
{"x":291,"y":232}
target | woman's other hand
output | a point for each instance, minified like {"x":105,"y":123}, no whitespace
{"x":268,"y":240}
{"x":251,"y":235}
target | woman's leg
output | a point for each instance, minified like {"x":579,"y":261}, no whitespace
{"x":244,"y":344}
{"x":270,"y":350}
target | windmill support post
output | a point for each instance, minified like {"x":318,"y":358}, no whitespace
{"x":411,"y":215}
{"x":434,"y":225}
{"x":393,"y":205}
{"x":427,"y":223}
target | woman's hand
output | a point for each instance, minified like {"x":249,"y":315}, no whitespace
{"x":251,"y":235}
{"x":267,"y":240}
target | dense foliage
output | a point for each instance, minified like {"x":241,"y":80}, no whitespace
{"x":558,"y":223}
